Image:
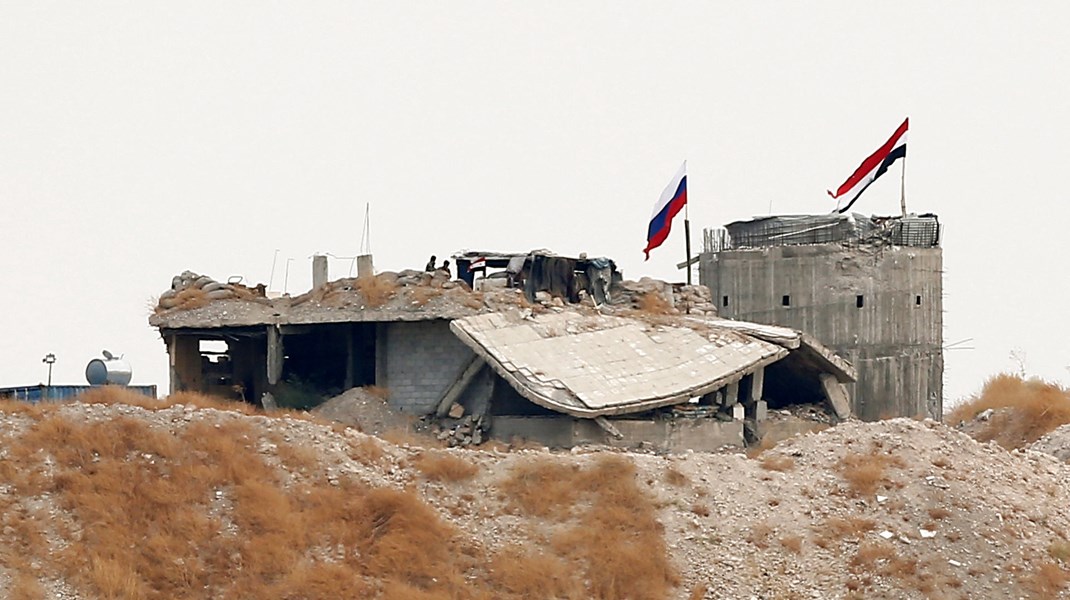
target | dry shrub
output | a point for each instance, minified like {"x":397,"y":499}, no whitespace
{"x":774,"y":462}
{"x":792,"y":542}
{"x":864,"y":473}
{"x":837,"y":529}
{"x":869,"y":554}
{"x":614,"y":532}
{"x":366,"y":450}
{"x":440,"y":466}
{"x":1031,"y":409}
{"x":701,"y":510}
{"x":760,"y":534}
{"x":698,"y":592}
{"x":675,"y":477}
{"x":375,"y":290}
{"x":1060,"y":550}
{"x":405,"y":436}
{"x":533,"y":574}
{"x":939,"y":512}
{"x":766,"y":443}
{"x":653,"y":303}
{"x":545,"y":487}
{"x":1048,"y":579}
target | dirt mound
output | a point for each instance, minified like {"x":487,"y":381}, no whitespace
{"x":1056,"y":443}
{"x":363,"y":408}
{"x":175,"y":501}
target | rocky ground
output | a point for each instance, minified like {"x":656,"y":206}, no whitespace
{"x":895,"y":509}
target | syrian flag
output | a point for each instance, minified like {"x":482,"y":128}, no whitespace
{"x":874,"y":166}
{"x":670,"y":203}
{"x":479,"y":264}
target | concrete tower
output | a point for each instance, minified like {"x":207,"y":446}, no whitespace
{"x":868,"y":288}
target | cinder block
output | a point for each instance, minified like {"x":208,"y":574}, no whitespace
{"x":738,"y":412}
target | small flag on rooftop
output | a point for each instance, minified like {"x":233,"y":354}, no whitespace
{"x":671,"y":202}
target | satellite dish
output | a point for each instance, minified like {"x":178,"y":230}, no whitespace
{"x":107,"y":355}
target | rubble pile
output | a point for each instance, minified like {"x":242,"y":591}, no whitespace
{"x":936,"y":514}
{"x":469,"y":430}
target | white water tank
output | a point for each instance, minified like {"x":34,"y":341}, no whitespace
{"x":109,"y":370}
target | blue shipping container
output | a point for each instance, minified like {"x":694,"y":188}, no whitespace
{"x":62,"y":393}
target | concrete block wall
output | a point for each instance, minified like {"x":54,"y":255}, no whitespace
{"x":418,"y":361}
{"x":879,"y":307}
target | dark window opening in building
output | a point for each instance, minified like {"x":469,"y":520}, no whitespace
{"x":917,"y":300}
{"x":791,"y":382}
{"x":724,"y":300}
{"x":785,"y":301}
{"x":324,"y":361}
{"x":860,"y":301}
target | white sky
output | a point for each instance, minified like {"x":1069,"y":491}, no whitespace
{"x":140,"y":139}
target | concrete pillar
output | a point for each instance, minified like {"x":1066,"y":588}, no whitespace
{"x":761,"y":410}
{"x":365,"y":268}
{"x":757,"y":383}
{"x":836,"y":394}
{"x":274,"y":355}
{"x":185,"y":361}
{"x":319,"y":270}
{"x":731,"y":394}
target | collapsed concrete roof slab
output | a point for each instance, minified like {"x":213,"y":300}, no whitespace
{"x":811,"y":351}
{"x":591,"y":365}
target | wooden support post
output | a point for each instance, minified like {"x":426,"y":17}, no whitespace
{"x":457,"y":388}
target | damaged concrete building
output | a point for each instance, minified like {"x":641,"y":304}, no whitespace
{"x":564,"y":369}
{"x":869,"y":287}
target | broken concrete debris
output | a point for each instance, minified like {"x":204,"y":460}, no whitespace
{"x":650,"y":364}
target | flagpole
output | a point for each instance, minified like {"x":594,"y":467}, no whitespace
{"x":903,"y":187}
{"x":687,"y":242}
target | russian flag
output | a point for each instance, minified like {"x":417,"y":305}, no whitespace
{"x":874,"y":166}
{"x":671,"y":202}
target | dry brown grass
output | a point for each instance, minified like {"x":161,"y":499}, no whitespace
{"x":191,"y":298}
{"x":653,"y":303}
{"x":376,"y":291}
{"x":865,"y":473}
{"x":201,"y":514}
{"x":1060,"y":550}
{"x":440,"y":466}
{"x":1048,"y":579}
{"x":760,"y":534}
{"x":1030,"y":409}
{"x":793,"y":543}
{"x":698,"y":592}
{"x":938,"y":512}
{"x":533,"y":574}
{"x":837,"y":529}
{"x":613,"y":533}
{"x":766,"y":443}
{"x":675,"y":477}
{"x":421,"y":295}
{"x":700,"y":509}
{"x":774,"y":462}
